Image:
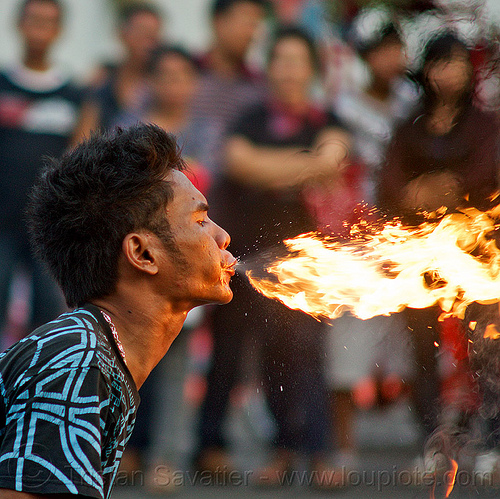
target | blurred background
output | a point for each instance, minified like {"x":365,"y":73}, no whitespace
{"x":89,"y":35}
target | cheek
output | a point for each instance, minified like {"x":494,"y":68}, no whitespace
{"x":203,"y":257}
{"x":213,"y":262}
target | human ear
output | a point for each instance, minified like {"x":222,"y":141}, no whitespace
{"x":140,"y":251}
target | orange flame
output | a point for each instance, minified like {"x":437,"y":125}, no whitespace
{"x":449,"y":480}
{"x":450,"y":477}
{"x":491,"y":332}
{"x":452,"y":261}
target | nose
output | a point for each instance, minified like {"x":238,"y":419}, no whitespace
{"x":221,"y":237}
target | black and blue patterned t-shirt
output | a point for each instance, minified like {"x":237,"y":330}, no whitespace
{"x":67,"y":408}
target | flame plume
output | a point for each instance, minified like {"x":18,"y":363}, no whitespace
{"x":451,"y":476}
{"x":451,"y":259}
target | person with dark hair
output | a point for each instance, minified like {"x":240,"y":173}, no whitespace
{"x":266,"y":170}
{"x":24,"y":10}
{"x":174,"y":79}
{"x":221,"y":7}
{"x":39,"y":111}
{"x":131,"y":9}
{"x":445,"y":154}
{"x":127,"y":237}
{"x":449,"y":147}
{"x":167,"y":50}
{"x":121,"y":90}
{"x":227,"y":84}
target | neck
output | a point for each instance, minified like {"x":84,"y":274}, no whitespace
{"x":132,"y":68}
{"x":170,"y":119}
{"x":379,"y":90}
{"x":36,"y":61}
{"x":223,"y":64}
{"x":145,"y":331}
{"x":294,"y":101}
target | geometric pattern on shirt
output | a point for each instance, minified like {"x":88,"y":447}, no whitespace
{"x":72,"y":398}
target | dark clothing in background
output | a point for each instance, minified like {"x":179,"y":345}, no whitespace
{"x":469,"y":150}
{"x":33,"y":124}
{"x":46,"y":299}
{"x":111,"y":111}
{"x":38,"y":115}
{"x":424,"y":328}
{"x":260,"y":218}
{"x":285,"y":344}
{"x":220,"y":102}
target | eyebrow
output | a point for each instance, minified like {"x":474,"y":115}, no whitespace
{"x":202,"y":207}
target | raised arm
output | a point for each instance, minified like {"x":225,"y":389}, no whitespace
{"x":281,"y":167}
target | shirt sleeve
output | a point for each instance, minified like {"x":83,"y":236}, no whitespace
{"x":52,"y":440}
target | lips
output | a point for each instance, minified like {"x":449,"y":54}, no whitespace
{"x":229,"y":265}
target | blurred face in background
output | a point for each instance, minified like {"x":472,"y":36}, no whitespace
{"x":291,"y":69}
{"x":40,"y":25}
{"x":140,"y":35}
{"x":387,"y":60}
{"x":450,"y":77}
{"x":236,"y":28}
{"x":174,"y":81}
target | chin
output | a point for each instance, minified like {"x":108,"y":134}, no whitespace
{"x":226,"y":299}
{"x":225,"y":296}
{"x":221,"y":297}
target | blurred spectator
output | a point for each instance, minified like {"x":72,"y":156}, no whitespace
{"x":174,"y":77}
{"x":260,"y":201}
{"x":228,"y":85}
{"x":368,"y":363}
{"x":39,"y":109}
{"x":368,"y":358}
{"x":449,"y":148}
{"x":445,"y":152}
{"x":371,"y":113}
{"x":121,"y":89}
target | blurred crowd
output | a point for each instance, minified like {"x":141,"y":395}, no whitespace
{"x":300,"y":115}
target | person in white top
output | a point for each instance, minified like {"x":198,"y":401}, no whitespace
{"x":363,"y":363}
